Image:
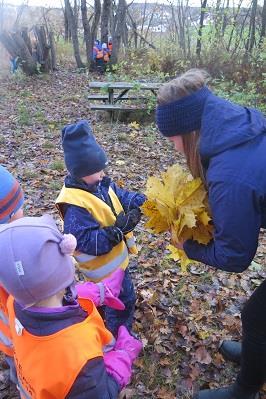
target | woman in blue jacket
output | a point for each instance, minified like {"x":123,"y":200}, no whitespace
{"x":225,"y":144}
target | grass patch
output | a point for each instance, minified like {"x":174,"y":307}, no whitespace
{"x":23,"y":115}
{"x":25,"y":93}
{"x":124,"y":137}
{"x":57,"y":165}
{"x":48,"y":145}
{"x":40,"y":116}
{"x":30,"y":174}
{"x":55,"y":185}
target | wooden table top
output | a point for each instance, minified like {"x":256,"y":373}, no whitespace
{"x":124,"y":85}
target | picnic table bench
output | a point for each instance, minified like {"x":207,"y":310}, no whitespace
{"x":113,"y":93}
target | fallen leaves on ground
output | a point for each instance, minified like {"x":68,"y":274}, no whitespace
{"x":180,"y":320}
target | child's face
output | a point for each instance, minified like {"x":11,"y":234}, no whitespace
{"x":178,"y":143}
{"x":95,"y":178}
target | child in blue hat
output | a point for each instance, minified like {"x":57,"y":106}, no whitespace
{"x":100,"y":215}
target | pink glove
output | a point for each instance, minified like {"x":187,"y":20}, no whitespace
{"x":119,"y":361}
{"x":125,"y":342}
{"x":105,"y":292}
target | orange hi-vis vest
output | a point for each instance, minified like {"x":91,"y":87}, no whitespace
{"x":6,"y":345}
{"x":96,"y":268}
{"x":99,"y":53}
{"x":47,"y":366}
{"x":106,"y":56}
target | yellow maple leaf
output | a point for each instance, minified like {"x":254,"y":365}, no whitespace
{"x":178,"y":255}
{"x":134,"y":125}
{"x":178,"y":203}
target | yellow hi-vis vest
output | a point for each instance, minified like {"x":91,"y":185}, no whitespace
{"x":96,"y":268}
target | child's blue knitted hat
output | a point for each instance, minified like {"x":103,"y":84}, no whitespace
{"x":182,"y":116}
{"x":83,"y":155}
{"x":11,"y":195}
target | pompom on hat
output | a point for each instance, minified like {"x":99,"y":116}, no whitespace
{"x":83,"y":155}
{"x":34,"y":258}
{"x":183,"y":115}
{"x":11,"y":195}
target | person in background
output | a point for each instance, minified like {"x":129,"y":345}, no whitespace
{"x":100,"y":215}
{"x":11,"y":208}
{"x":225,"y":144}
{"x":14,"y":64}
{"x":106,"y":54}
{"x":97,"y":55}
{"x":52,"y":329}
{"x":110,"y":45}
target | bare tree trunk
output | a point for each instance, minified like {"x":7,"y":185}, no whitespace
{"x":225,"y":18}
{"x":134,"y":28}
{"x":95,"y":24}
{"x":119,"y":27}
{"x":233,"y":25}
{"x":218,"y":19}
{"x":74,"y":33}
{"x":44,"y":49}
{"x":240,"y":34}
{"x":252,"y":27}
{"x":53,"y":52}
{"x":76,"y":12}
{"x":181,"y":21}
{"x":26,"y":38}
{"x":105,"y":20}
{"x":86,"y":28}
{"x":202,"y":15}
{"x":136,"y":34}
{"x":150,"y":21}
{"x":263,"y":23}
{"x":67,"y":34}
{"x":143,"y":21}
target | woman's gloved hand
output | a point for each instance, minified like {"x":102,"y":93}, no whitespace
{"x":104,"y":293}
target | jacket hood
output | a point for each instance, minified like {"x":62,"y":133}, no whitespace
{"x":226,"y":125}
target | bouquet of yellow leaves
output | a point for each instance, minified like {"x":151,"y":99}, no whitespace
{"x":178,"y":203}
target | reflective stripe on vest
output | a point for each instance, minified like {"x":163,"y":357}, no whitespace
{"x":101,"y":272}
{"x":23,"y":393}
{"x":6,"y":341}
{"x":131,"y":242}
{"x":4,"y":318}
{"x":110,"y":346}
{"x":84,"y":341}
{"x":84,"y":257}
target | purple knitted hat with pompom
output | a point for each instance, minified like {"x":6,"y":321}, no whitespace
{"x":33,"y":265}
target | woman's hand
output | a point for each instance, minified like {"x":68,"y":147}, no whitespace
{"x":179,"y":245}
{"x":175,"y":241}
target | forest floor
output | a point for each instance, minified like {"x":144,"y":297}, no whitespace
{"x":181,"y":318}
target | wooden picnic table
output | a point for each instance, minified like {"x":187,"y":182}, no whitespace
{"x":112,"y":98}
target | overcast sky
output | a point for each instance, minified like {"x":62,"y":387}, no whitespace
{"x":57,"y":3}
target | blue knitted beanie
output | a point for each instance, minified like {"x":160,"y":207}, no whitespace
{"x":183,"y":115}
{"x":83,"y":155}
{"x":11,"y":195}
